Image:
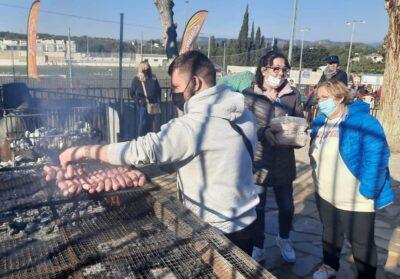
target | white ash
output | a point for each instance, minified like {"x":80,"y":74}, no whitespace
{"x":22,"y":161}
{"x":36,"y":147}
{"x":106,"y":270}
{"x":54,"y":139}
{"x":44,"y":222}
{"x":28,"y":222}
{"x":93,"y":269}
{"x":162,"y":272}
{"x":115,"y":244}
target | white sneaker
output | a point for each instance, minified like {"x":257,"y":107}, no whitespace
{"x":287,"y":250}
{"x":324,"y":272}
{"x":258,"y":254}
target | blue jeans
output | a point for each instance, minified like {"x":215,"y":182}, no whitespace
{"x":142,"y":121}
{"x":284,"y":200}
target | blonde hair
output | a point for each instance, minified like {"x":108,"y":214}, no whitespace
{"x":336,"y":89}
{"x":144,"y":65}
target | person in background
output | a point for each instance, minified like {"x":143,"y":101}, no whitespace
{"x":212,"y":145}
{"x":369,"y":89}
{"x":349,"y":156}
{"x":272,"y":96}
{"x":378,"y":94}
{"x":332,"y":72}
{"x":310,"y":105}
{"x":370,"y":100}
{"x":362,"y":92}
{"x":146,"y":92}
{"x":353,"y":91}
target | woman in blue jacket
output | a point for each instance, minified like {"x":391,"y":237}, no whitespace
{"x":349,"y":156}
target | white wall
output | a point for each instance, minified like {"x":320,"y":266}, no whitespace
{"x":238,"y":69}
{"x":308,"y":77}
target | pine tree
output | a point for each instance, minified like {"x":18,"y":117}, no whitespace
{"x":251,"y":43}
{"x":257,"y":46}
{"x":250,"y":48}
{"x":275,"y":45}
{"x":262,"y":43}
{"x":243,"y":40}
{"x":213,"y":46}
{"x":230,"y":51}
{"x":257,"y":40}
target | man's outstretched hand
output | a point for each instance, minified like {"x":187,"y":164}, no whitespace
{"x":71,"y":155}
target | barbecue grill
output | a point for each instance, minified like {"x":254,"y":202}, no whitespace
{"x":132,"y":233}
{"x":46,"y":131}
{"x":135,"y":233}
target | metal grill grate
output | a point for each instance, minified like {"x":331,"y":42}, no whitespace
{"x":139,"y":233}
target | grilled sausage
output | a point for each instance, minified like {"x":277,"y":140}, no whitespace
{"x":108,"y":184}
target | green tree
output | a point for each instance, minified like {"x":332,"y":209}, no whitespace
{"x":262,"y":44}
{"x":213,"y":46}
{"x":258,"y":47}
{"x":257,"y":40}
{"x":274,"y":45}
{"x":250,"y":48}
{"x":314,"y":57}
{"x":243,"y":40}
{"x":251,"y":42}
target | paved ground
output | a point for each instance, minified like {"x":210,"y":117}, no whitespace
{"x":306,"y":234}
{"x":307,"y":228}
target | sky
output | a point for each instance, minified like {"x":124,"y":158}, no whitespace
{"x":325,"y":18}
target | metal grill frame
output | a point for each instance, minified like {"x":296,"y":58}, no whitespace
{"x":168,"y":238}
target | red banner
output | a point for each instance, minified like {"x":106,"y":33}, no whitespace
{"x":192,"y":30}
{"x":31,"y":40}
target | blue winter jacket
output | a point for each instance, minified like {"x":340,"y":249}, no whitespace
{"x":364,"y":150}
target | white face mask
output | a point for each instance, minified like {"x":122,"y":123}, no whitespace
{"x":275,"y":82}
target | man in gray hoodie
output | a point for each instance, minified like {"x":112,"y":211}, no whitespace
{"x":212,"y":145}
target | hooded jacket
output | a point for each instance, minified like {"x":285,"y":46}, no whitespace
{"x":214,"y":165}
{"x":364,"y":150}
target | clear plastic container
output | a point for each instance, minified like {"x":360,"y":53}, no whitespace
{"x":290,"y":130}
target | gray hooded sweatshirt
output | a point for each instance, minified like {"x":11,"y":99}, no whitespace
{"x":214,"y":166}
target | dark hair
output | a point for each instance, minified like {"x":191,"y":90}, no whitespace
{"x":195,"y":63}
{"x":268,"y":60}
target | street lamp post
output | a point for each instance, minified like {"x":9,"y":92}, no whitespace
{"x":352,"y":23}
{"x":13,"y":63}
{"x":302,"y":30}
{"x":209,"y":46}
{"x":294,"y":19}
{"x":186,"y":13}
{"x":224,"y":60}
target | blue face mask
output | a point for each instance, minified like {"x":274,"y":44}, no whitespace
{"x":327,"y":107}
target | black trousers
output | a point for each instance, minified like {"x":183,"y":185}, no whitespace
{"x":358,"y":227}
{"x":284,"y":200}
{"x":244,"y":239}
